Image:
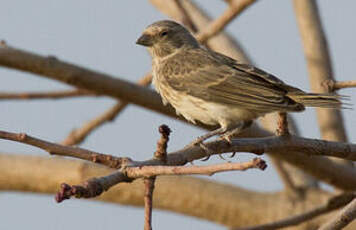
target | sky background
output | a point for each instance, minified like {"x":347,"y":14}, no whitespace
{"x":101,"y":35}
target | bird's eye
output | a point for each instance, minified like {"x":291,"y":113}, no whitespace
{"x":163,"y":33}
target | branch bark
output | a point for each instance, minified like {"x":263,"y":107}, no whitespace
{"x":319,"y":67}
{"x":17,"y":173}
{"x":277,"y":145}
{"x":342,"y":219}
{"x":47,"y":95}
{"x":333,"y":203}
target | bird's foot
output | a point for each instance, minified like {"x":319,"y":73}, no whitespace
{"x":199,"y":142}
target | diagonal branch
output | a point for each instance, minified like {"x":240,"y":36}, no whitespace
{"x":78,"y":135}
{"x":47,"y":95}
{"x":332,"y":204}
{"x":342,"y":219}
{"x":234,"y":9}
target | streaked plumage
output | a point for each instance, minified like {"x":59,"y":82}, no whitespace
{"x":206,"y":86}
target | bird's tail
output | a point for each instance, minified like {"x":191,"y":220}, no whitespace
{"x":327,"y":100}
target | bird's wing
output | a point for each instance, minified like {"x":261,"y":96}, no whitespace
{"x":217,"y":78}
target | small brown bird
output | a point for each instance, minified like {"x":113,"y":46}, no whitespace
{"x":206,"y":86}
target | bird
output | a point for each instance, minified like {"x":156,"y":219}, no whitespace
{"x":214,"y":89}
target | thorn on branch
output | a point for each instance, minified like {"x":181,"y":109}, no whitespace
{"x":161,"y":152}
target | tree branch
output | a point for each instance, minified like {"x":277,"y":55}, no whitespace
{"x":332,"y":85}
{"x":342,"y":219}
{"x":234,"y":9}
{"x":47,"y":95}
{"x":149,"y":187}
{"x":319,"y":67}
{"x":78,"y":135}
{"x":277,"y":145}
{"x":332,"y":204}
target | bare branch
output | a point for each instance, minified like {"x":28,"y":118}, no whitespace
{"x":95,"y":186}
{"x":319,"y":67}
{"x":332,"y":85}
{"x":78,"y":135}
{"x":277,"y":145}
{"x":149,"y":187}
{"x":342,"y":219}
{"x":61,"y":150}
{"x":52,"y":68}
{"x":219,"y":24}
{"x":47,"y":95}
{"x":332,"y":204}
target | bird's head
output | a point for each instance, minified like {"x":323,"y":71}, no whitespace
{"x":165,"y":37}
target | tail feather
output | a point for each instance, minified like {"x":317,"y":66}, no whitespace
{"x":331,"y":101}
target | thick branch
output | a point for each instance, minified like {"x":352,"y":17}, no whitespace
{"x":46,"y":95}
{"x":332,"y":204}
{"x":17,"y":173}
{"x":280,"y":146}
{"x":342,"y":219}
{"x":319,"y":66}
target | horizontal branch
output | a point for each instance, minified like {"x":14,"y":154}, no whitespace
{"x":282,"y":145}
{"x":46,"y":95}
{"x":336,"y":85}
{"x":80,"y":77}
{"x":95,"y":186}
{"x":332,"y":204}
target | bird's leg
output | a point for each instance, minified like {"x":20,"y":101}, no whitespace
{"x":199,"y":140}
{"x":231,"y":133}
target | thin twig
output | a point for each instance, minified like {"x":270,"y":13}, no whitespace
{"x":149,"y":187}
{"x":332,"y":204}
{"x":95,"y":186}
{"x":219,"y":24}
{"x":78,"y":135}
{"x":336,"y":85}
{"x":343,"y":218}
{"x":47,"y":95}
{"x":61,"y":150}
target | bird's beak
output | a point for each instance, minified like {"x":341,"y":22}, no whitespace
{"x":144,"y":40}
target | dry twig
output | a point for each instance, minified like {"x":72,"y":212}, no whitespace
{"x":149,"y":187}
{"x":47,"y":95}
{"x":332,"y":85}
{"x":78,"y":135}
